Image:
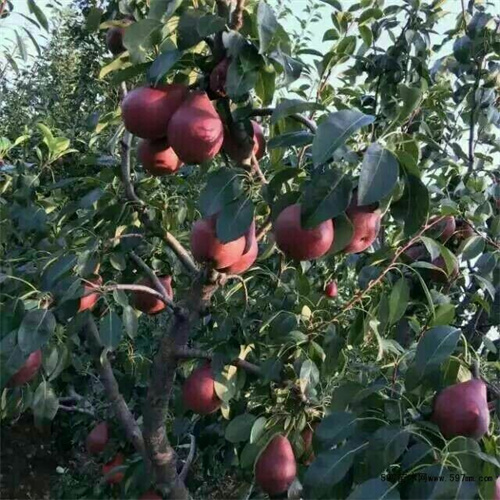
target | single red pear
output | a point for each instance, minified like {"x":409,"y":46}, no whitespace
{"x":198,"y":391}
{"x":157,"y":157}
{"x":415,"y":252}
{"x":239,"y":153}
{"x":463,"y":230}
{"x":207,"y":248}
{"x":117,"y":477}
{"x":331,"y":289}
{"x":195,"y":132}
{"x":114,"y":40}
{"x":366,"y":223}
{"x":276,"y":468}
{"x":298,"y":243}
{"x":97,"y":438}
{"x":147,"y":303}
{"x":147,"y":111}
{"x":442,"y":276}
{"x":88,"y":302}
{"x":444,"y":229}
{"x":249,"y":256}
{"x":27,"y":371}
{"x":496,"y":495}
{"x":462,"y":410}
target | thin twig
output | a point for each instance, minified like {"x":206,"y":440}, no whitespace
{"x":76,"y":409}
{"x":237,"y":16}
{"x":264,"y":229}
{"x":361,"y":294}
{"x":189,"y":460}
{"x":256,"y":169}
{"x":152,"y":276}
{"x":136,"y":288}
{"x":112,"y":389}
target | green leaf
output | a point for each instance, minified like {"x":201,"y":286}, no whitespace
{"x":344,"y":231}
{"x":445,"y":314}
{"x":194,"y":26}
{"x":385,"y":448}
{"x":162,"y":65}
{"x":267,"y":24}
{"x":22,"y":47}
{"x":398,"y":301}
{"x":163,"y":9}
{"x":436,"y":345}
{"x":462,"y":49}
{"x":111,"y":330}
{"x":239,"y":79}
{"x":295,"y":139}
{"x":379,"y":175}
{"x":234,"y":220}
{"x":416,"y":454}
{"x":222,"y":188}
{"x":257,"y":429}
{"x":366,"y":35}
{"x":287,"y":107}
{"x":141,"y":36}
{"x":33,"y":40}
{"x":130,"y":321}
{"x":309,"y":376}
{"x":45,"y":402}
{"x":330,"y":467}
{"x":93,"y":19}
{"x":334,"y":131}
{"x":41,"y":18}
{"x":335,"y":428}
{"x":412,"y":97}
{"x":35,"y":330}
{"x":239,"y":428}
{"x":369,"y":14}
{"x":326,"y":196}
{"x":432,"y":246}
{"x":292,"y":68}
{"x":375,"y":489}
{"x":413,"y":207}
{"x":472,"y":247}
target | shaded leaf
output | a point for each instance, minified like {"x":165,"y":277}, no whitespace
{"x":221,"y":189}
{"x":239,"y":428}
{"x":35,"y":330}
{"x":111,"y":330}
{"x":162,"y":65}
{"x":234,"y":219}
{"x":386,"y":446}
{"x":375,"y":489}
{"x":45,"y":402}
{"x":398,"y":301}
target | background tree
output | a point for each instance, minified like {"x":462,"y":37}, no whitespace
{"x":290,"y":280}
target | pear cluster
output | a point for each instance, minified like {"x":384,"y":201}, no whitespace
{"x":299,"y":243}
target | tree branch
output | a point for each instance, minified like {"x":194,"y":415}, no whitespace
{"x":76,"y":409}
{"x":161,"y":453}
{"x":256,"y":169}
{"x":136,"y":288}
{"x":152,"y":276}
{"x":112,"y":389}
{"x":191,"y":353}
{"x":189,"y":460}
{"x":266,"y":227}
{"x":301,"y":119}
{"x":237,"y":16}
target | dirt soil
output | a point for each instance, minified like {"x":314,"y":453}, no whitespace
{"x":28,"y":461}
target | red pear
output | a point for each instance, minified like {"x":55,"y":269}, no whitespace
{"x":331,"y":289}
{"x":97,"y":439}
{"x":366,"y":222}
{"x":276,"y":468}
{"x":195,"y":131}
{"x":207,"y":248}
{"x":298,"y":243}
{"x":198,"y":391}
{"x":218,"y":78}
{"x":148,"y":303}
{"x":250,"y":253}
{"x":497,"y":489}
{"x":114,"y":40}
{"x":415,"y":252}
{"x":150,"y":495}
{"x":444,"y":229}
{"x":239,"y":153}
{"x":462,"y":410}
{"x":107,"y":468}
{"x":463,"y":230}
{"x":147,"y":111}
{"x":157,"y":157}
{"x":442,"y":276}
{"x":27,"y":371}
{"x":87,"y":302}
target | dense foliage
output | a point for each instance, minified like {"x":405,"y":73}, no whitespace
{"x":396,"y":120}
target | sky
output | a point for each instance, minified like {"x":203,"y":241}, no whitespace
{"x":17,"y":22}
